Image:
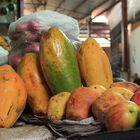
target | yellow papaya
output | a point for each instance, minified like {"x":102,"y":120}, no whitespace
{"x":126,"y":93}
{"x":13,"y":96}
{"x":37,"y":92}
{"x":98,"y":88}
{"x":94,"y":64}
{"x":128,"y":85}
{"x":57,"y":106}
{"x":4,"y":44}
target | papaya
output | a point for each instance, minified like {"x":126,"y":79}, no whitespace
{"x":126,"y":84}
{"x":37,"y":91}
{"x":13,"y":96}
{"x":4,"y":44}
{"x":57,"y":106}
{"x":126,"y":93}
{"x":98,"y":88}
{"x":58,"y":61}
{"x":79,"y":103}
{"x":103,"y":103}
{"x":94,"y":64}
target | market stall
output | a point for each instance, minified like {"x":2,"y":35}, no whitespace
{"x":55,"y":85}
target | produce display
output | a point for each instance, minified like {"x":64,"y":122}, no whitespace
{"x":13,"y":96}
{"x":57,"y":106}
{"x":37,"y":91}
{"x":61,"y":82}
{"x":94,"y":64}
{"x":79,"y":104}
{"x":136,"y":98}
{"x":104,"y":103}
{"x":58,"y":61}
{"x":98,"y":88}
{"x":124,"y":115}
{"x":126,"y":93}
{"x":128,"y":85}
{"x":25,"y":32}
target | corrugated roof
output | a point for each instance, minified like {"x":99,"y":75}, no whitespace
{"x":77,"y":9}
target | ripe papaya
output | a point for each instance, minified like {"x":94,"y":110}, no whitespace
{"x":128,"y":85}
{"x":37,"y":92}
{"x":13,"y":96}
{"x":103,"y":103}
{"x":94,"y":64}
{"x":80,"y":102}
{"x":98,"y":88}
{"x":126,"y":93}
{"x":58,"y":61}
{"x":57,"y":106}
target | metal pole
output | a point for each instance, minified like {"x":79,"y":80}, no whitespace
{"x":89,"y":28}
{"x":19,"y":8}
{"x":125,"y":45}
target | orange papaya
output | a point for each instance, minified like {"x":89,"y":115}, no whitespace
{"x":94,"y":64}
{"x":37,"y":91}
{"x":58,"y":61}
{"x":13,"y":96}
{"x":80,"y":102}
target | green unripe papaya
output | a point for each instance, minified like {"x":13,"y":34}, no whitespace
{"x":58,"y":61}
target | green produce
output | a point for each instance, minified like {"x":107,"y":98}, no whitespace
{"x":118,"y":79}
{"x":58,"y":61}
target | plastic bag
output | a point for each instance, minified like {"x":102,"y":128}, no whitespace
{"x":25,"y":33}
{"x":43,"y":20}
{"x":3,"y":56}
{"x":21,"y":47}
{"x":26,"y":36}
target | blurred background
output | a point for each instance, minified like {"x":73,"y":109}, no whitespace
{"x":115,"y":24}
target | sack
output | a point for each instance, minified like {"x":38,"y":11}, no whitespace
{"x":42,"y":21}
{"x":67,"y":128}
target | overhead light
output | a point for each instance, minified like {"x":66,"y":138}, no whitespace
{"x":99,"y":19}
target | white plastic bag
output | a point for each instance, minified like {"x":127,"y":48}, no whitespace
{"x":43,"y":20}
{"x":3,"y":56}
